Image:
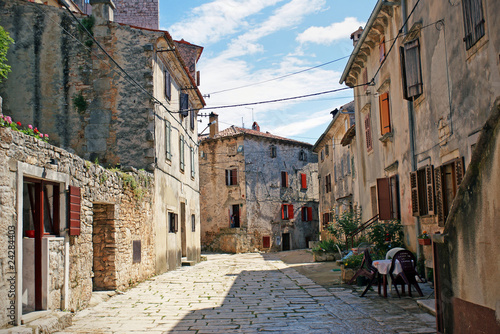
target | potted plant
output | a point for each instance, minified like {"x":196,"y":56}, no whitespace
{"x":350,"y":265}
{"x":424,"y":238}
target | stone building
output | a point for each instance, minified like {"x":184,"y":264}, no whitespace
{"x":335,"y":167}
{"x":425,"y":76}
{"x":140,"y":112}
{"x":68,"y":227}
{"x":259,"y":192}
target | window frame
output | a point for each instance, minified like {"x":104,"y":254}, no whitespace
{"x":385,"y":113}
{"x":388,"y":198}
{"x":231,"y":177}
{"x":273,"y":151}
{"x":193,"y":223}
{"x":474,"y":22}
{"x":287,"y":212}
{"x":182,"y":161}
{"x":306,"y":214}
{"x":411,"y":70}
{"x":193,"y":172}
{"x":168,"y":140}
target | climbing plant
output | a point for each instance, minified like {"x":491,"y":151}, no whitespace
{"x":5,"y":41}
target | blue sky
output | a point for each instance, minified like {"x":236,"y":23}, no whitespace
{"x":250,"y":41}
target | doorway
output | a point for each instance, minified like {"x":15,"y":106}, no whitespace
{"x":183,"y":230}
{"x":285,"y":237}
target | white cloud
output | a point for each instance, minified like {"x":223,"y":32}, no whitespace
{"x":331,"y":33}
{"x":212,"y":21}
{"x":304,"y":124}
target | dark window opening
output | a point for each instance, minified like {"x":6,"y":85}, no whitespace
{"x":284,"y":179}
{"x":231,"y":177}
{"x":234,"y":213}
{"x":473,"y":21}
{"x":273,"y":151}
{"x":173,"y":223}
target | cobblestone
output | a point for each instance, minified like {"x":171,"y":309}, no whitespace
{"x":247,"y":293}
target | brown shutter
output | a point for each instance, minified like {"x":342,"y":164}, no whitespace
{"x":429,"y":188}
{"x":385,"y":120}
{"x":290,"y":211}
{"x":439,"y":210}
{"x":384,"y":199}
{"x":415,"y":208}
{"x":368,"y":133}
{"x":234,"y":176}
{"x":74,"y":210}
{"x":412,"y":69}
{"x":309,"y":214}
{"x":459,"y":172}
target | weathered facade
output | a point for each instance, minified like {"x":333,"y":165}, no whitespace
{"x":335,"y":168}
{"x":259,"y":192}
{"x":101,"y":239}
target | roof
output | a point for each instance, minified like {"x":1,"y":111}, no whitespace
{"x":234,"y":131}
{"x":346,"y":108}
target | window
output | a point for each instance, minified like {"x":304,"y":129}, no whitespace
{"x":473,"y":21}
{"x":168,"y":135}
{"x":193,"y":223}
{"x":447,"y":178}
{"x":192,"y":161}
{"x":284,"y":180}
{"x":181,"y":152}
{"x":307,"y":214}
{"x":385,"y":119}
{"x":266,"y":242}
{"x":184,"y":104}
{"x":327,"y":150}
{"x":368,"y":134}
{"x":328,"y":183}
{"x":302,"y":156}
{"x":192,"y":118}
{"x":411,"y":70}
{"x":422,"y":191}
{"x":173,"y":223}
{"x":231,"y":177}
{"x":168,"y":86}
{"x":326,"y":219}
{"x":234,"y":215}
{"x":381,"y":49}
{"x":272,"y":150}
{"x":388,"y":198}
{"x":322,"y":155}
{"x":286,"y":211}
{"x":303,"y":181}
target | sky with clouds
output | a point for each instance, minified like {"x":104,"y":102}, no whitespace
{"x":253,"y":50}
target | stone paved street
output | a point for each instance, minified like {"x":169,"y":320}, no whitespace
{"x":247,"y":293}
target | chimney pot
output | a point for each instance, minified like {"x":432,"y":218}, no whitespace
{"x":255,"y":126}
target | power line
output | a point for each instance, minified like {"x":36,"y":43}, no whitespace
{"x":280,"y":77}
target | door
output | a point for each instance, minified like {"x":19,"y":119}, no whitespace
{"x":285,"y":241}
{"x":183,"y":230}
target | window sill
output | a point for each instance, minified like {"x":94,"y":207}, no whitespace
{"x":387,"y":137}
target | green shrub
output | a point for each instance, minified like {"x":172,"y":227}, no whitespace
{"x":353,"y":261}
{"x":385,"y":236}
{"x":326,"y":246}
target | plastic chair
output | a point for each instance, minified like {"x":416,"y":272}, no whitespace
{"x":391,"y":252}
{"x":368,"y":270}
{"x":408,"y":273}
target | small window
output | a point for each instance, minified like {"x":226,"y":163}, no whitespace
{"x":168,"y":135}
{"x":306,"y":214}
{"x":422,"y":191}
{"x":231,"y":177}
{"x":266,"y":242}
{"x":302,"y":156}
{"x":181,"y":152}
{"x":385,"y":117}
{"x":411,"y":70}
{"x":322,"y":155}
{"x":303,"y":181}
{"x":192,"y":162}
{"x":284,"y":180}
{"x":328,"y":183}
{"x":172,"y":223}
{"x":234,"y":215}
{"x":447,"y":179}
{"x":286,"y":211}
{"x":183,"y":104}
{"x":193,"y":223}
{"x":326,"y":220}
{"x":273,"y":151}
{"x":136,"y":251}
{"x":168,"y":85}
{"x":473,"y":21}
{"x":368,"y":133}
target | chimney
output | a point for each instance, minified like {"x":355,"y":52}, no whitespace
{"x":214,"y":124}
{"x":103,"y":11}
{"x":255,"y":126}
{"x":355,"y":36}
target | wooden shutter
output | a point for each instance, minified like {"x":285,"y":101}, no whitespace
{"x":266,"y":242}
{"x":283,"y":208}
{"x":415,"y":207}
{"x":181,"y":152}
{"x":284,"y":179}
{"x":429,"y":188}
{"x":439,"y":204}
{"x":459,"y":172}
{"x":168,"y":86}
{"x":473,"y":21}
{"x":368,"y":133}
{"x":192,"y":119}
{"x":290,"y":211}
{"x":303,"y":181}
{"x":309,"y":213}
{"x":184,"y":104}
{"x":176,"y":220}
{"x":385,"y":120}
{"x":384,"y":199}
{"x":74,"y":210}
{"x":403,"y":72}
{"x":412,"y":69}
{"x":228,"y":177}
{"x":394,"y":196}
{"x":234,"y":177}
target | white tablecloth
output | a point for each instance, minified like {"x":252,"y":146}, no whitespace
{"x":383,"y":266}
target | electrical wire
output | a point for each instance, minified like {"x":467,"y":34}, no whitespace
{"x":280,"y":77}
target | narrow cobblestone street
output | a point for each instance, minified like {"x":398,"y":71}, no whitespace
{"x":247,"y":293}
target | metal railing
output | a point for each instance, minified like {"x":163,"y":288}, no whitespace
{"x":360,"y":229}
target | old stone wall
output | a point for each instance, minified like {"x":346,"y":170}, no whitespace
{"x":130,"y":195}
{"x":139,"y":13}
{"x":56,"y":273}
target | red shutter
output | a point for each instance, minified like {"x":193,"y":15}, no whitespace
{"x":309,"y":214}
{"x":429,"y":185}
{"x":283,"y":208}
{"x":414,"y":194}
{"x":74,"y":210}
{"x":266,"y":242}
{"x":303,"y":181}
{"x":234,"y":176}
{"x":384,"y":199}
{"x":385,"y":119}
{"x":439,"y":195}
{"x":290,"y":211}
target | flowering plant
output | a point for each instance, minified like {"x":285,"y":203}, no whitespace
{"x":6,"y":122}
{"x":424,"y":235}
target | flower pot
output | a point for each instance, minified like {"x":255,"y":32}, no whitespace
{"x":424,"y":241}
{"x":347,"y":274}
{"x":30,"y":233}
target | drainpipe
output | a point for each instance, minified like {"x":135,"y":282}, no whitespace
{"x":411,"y":127}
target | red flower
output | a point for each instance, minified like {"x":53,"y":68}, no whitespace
{"x":18,"y":123}
{"x":36,"y":130}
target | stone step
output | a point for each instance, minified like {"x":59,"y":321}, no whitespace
{"x":41,"y":322}
{"x":186,"y":263}
{"x":428,"y":305}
